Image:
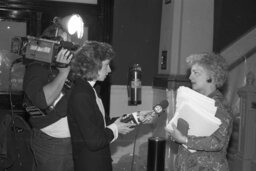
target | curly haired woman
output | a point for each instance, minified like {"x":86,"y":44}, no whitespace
{"x":208,"y":74}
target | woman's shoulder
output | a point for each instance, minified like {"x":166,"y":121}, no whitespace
{"x":223,"y":107}
{"x":220,"y":100}
{"x":82,"y":87}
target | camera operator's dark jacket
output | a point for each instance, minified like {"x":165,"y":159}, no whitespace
{"x":36,"y":76}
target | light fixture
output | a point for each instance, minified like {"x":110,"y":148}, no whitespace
{"x":72,"y":24}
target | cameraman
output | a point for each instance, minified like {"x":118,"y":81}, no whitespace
{"x":46,"y":92}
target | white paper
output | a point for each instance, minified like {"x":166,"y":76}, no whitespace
{"x":198,"y":110}
{"x":200,"y":124}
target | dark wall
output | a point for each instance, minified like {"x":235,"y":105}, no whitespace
{"x":136,"y":34}
{"x":233,"y":18}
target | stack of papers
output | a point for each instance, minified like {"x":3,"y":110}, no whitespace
{"x":198,"y":110}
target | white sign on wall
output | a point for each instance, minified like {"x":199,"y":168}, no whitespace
{"x":79,"y":1}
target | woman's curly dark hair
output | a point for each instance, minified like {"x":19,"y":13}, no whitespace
{"x":214,"y":63}
{"x":88,"y":59}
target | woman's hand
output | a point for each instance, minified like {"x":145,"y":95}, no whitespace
{"x":124,"y":128}
{"x":176,"y":135}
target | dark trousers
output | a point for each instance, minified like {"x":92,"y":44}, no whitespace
{"x":51,"y":154}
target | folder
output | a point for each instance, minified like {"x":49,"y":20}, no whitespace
{"x":197,"y":110}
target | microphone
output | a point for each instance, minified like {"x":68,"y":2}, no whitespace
{"x":159,"y":108}
{"x":135,"y":116}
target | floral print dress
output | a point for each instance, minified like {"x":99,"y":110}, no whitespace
{"x":211,"y":151}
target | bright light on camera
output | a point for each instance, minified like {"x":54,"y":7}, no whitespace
{"x":74,"y":25}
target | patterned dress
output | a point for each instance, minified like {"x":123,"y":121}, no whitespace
{"x":211,"y":151}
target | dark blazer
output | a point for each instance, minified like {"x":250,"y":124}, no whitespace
{"x":90,"y":139}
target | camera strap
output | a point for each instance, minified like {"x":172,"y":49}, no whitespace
{"x":32,"y":110}
{"x":36,"y":112}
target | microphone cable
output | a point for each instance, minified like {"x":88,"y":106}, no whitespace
{"x":157,"y":109}
{"x":10,"y":87}
{"x":134,"y":144}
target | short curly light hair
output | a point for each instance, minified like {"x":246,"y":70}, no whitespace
{"x":212,"y":62}
{"x":88,"y":60}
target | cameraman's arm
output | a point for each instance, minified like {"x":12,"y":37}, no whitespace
{"x":53,"y":89}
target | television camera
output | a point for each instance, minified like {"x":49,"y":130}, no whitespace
{"x":45,"y":49}
{"x":40,"y":49}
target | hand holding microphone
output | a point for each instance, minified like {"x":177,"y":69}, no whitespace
{"x":157,"y":110}
{"x":145,"y":116}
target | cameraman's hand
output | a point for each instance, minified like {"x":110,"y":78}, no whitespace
{"x":64,"y":57}
{"x":124,"y":128}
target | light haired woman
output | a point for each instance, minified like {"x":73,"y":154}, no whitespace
{"x":208,"y":75}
